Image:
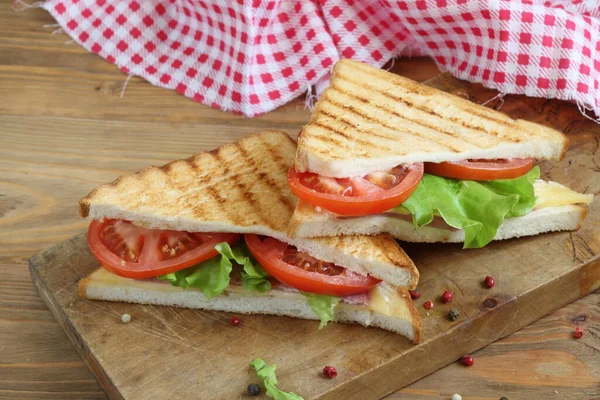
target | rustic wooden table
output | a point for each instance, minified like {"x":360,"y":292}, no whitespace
{"x":64,"y":128}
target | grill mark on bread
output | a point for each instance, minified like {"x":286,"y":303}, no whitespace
{"x":434,"y":127}
{"x":282,"y":191}
{"x":413,"y":87}
{"x":330,"y":140}
{"x":330,"y":128}
{"x":277,"y":158}
{"x":373,"y":133}
{"x":493,"y":133}
{"x":205,"y":181}
{"x":247,"y":195}
{"x":336,"y":118}
{"x":430,"y":111}
{"x":404,"y":117}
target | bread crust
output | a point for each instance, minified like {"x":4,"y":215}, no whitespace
{"x":83,"y":283}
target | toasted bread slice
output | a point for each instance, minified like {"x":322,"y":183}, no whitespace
{"x":307,"y":222}
{"x":240,"y":187}
{"x":384,"y":307}
{"x":370,"y":119}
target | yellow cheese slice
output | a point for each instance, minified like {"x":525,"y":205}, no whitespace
{"x":552,"y":194}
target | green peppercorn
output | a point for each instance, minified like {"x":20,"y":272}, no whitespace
{"x":453,"y":314}
{"x":253,"y":389}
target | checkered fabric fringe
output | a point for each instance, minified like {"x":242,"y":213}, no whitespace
{"x":251,"y":56}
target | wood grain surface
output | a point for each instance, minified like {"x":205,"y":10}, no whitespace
{"x":64,"y":129}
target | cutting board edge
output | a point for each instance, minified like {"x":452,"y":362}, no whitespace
{"x":92,"y":362}
{"x":587,"y":269}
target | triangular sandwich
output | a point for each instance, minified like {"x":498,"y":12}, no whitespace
{"x":382,"y":153}
{"x":171,"y":235}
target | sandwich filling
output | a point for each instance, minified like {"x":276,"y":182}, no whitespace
{"x":473,"y":195}
{"x":223,"y":263}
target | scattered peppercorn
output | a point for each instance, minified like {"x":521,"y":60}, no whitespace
{"x":453,"y":314}
{"x":253,"y":389}
{"x":125,"y":318}
{"x":467,"y":360}
{"x":456,"y":396}
{"x":503,"y":398}
{"x":447,"y":296}
{"x":235,"y":321}
{"x":414,"y":294}
{"x":330,"y":372}
{"x":578,"y":334}
{"x":428,"y":304}
{"x":489,"y":282}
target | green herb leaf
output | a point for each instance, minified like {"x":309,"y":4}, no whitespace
{"x":211,"y":277}
{"x":267,"y":374}
{"x":323,"y":306}
{"x":479,"y":208}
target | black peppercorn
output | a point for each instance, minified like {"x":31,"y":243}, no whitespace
{"x":253,"y":389}
{"x":503,"y":398}
{"x":453,"y":314}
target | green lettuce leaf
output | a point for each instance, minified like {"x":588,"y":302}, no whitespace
{"x":267,"y":374}
{"x":211,"y":277}
{"x":479,"y":208}
{"x":254,"y":277}
{"x":322,"y":305}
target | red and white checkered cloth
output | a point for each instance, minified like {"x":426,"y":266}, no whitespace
{"x":251,"y":56}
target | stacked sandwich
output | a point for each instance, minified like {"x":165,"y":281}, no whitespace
{"x":381,"y":157}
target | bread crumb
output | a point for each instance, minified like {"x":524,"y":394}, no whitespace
{"x":125,"y":318}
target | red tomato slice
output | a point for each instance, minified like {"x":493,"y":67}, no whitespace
{"x":135,"y":252}
{"x":482,"y":170}
{"x":303,"y":272}
{"x":371,"y":194}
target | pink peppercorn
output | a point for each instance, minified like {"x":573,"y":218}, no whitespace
{"x":414,"y":294}
{"x":447,"y":296}
{"x":467,"y":360}
{"x":330,"y":372}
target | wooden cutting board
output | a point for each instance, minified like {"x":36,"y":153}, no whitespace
{"x":168,"y":353}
